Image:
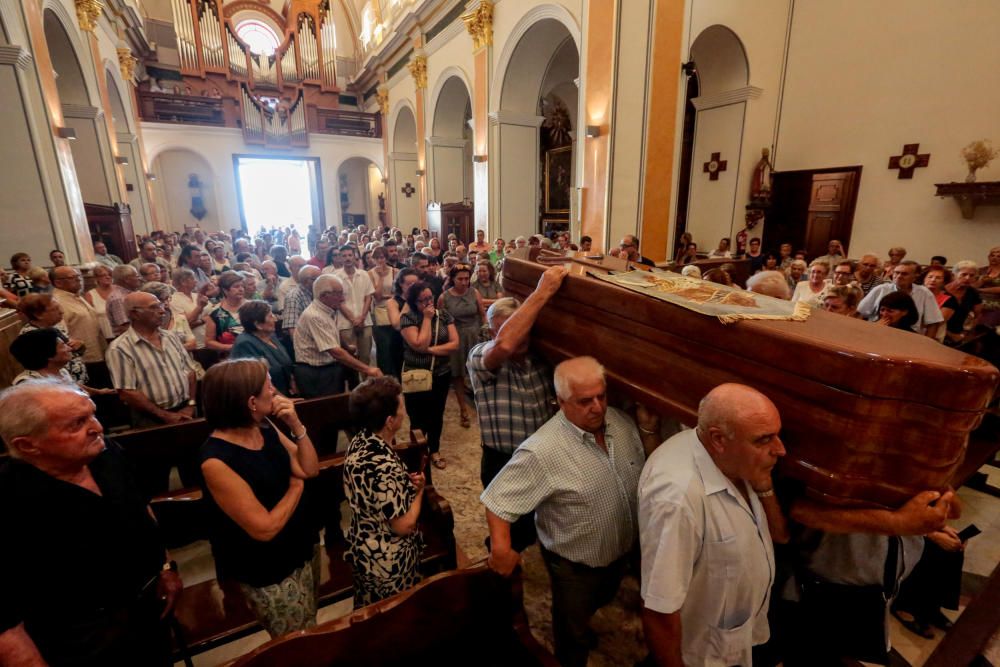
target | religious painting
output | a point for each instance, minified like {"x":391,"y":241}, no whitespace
{"x":558,"y":168}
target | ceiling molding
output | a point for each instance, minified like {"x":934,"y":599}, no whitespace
{"x":726,"y":98}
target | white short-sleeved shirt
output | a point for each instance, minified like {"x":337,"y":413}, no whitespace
{"x":924,"y":299}
{"x":356,"y":289}
{"x":705,"y":553}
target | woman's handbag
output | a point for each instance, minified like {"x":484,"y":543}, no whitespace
{"x":420,"y":379}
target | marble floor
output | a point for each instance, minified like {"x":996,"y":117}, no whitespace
{"x":618,"y":627}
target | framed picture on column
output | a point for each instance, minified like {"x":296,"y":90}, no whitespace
{"x":558,"y":170}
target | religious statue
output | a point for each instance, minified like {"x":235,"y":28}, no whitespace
{"x":760,"y":183}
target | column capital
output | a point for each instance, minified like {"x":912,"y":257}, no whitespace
{"x":479,"y":23}
{"x":126,"y":63}
{"x":87,"y":13}
{"x":17,"y":56}
{"x":418,"y":70}
{"x":382,"y":96}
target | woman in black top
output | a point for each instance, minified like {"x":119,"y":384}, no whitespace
{"x":395,"y":306}
{"x":429,"y":337}
{"x":261,"y":534}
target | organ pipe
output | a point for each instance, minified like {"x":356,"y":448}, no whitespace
{"x":328,"y":41}
{"x":184,"y":27}
{"x":307,"y":47}
{"x":237,"y":56}
{"x":211,"y":34}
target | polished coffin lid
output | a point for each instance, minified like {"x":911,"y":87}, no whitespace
{"x":869,"y":414}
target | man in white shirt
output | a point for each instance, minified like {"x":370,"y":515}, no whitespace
{"x":903,"y":276}
{"x":358,"y":295}
{"x":705,"y":506}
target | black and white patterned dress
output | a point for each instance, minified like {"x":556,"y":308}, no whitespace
{"x":378,"y":490}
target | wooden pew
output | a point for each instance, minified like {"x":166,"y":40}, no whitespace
{"x":465,"y":617}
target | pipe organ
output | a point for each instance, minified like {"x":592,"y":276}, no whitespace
{"x":273,"y":121}
{"x":207,"y":42}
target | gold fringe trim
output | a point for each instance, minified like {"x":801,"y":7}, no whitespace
{"x":800,"y":314}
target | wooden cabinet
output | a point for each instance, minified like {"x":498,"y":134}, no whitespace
{"x":444,"y":219}
{"x":113,"y":225}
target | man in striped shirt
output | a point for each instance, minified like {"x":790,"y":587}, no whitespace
{"x":512,"y":387}
{"x":150,"y":368}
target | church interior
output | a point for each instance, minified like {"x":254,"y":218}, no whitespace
{"x":813,"y":153}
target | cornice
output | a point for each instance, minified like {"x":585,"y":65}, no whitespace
{"x":16,"y":56}
{"x":726,"y":98}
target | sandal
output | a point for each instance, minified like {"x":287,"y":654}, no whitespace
{"x":465,"y":421}
{"x":439,"y":462}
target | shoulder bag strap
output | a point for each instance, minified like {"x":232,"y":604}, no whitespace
{"x":889,"y":575}
{"x":437,"y":327}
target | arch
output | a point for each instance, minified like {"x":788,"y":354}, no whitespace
{"x":374,"y":159}
{"x":532,"y":17}
{"x":160,"y":150}
{"x":360,"y":182}
{"x":173,"y":198}
{"x":404,"y":131}
{"x":453,"y":107}
{"x":120,"y":116}
{"x":449,"y":72}
{"x":720,"y":59}
{"x":64,"y":50}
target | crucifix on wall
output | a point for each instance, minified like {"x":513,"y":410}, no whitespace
{"x":714,"y":166}
{"x":408,"y":190}
{"x":909,"y":160}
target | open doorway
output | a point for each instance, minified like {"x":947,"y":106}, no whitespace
{"x":809,"y":208}
{"x":279,"y":192}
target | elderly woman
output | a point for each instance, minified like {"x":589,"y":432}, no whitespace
{"x":171,"y":322}
{"x":258,"y":341}
{"x":99,"y":295}
{"x":466,"y":307}
{"x":842,"y":300}
{"x":429,"y":338}
{"x":898,"y":311}
{"x":261,"y":533}
{"x":383,"y":542}
{"x":486,"y":283}
{"x":896,"y":255}
{"x":988,"y":286}
{"x":44,"y":354}
{"x":189,"y":302}
{"x":17,"y":280}
{"x":434,"y":247}
{"x":811,"y":291}
{"x":222,"y":324}
{"x":796,"y":269}
{"x":40,"y":283}
{"x":935,"y":279}
{"x":41,"y":311}
{"x":969,"y":304}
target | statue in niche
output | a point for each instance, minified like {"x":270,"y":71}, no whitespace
{"x":556,"y":121}
{"x":760,"y":183}
{"x":198,"y":209}
{"x":381,"y":201}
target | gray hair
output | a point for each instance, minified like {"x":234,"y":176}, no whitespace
{"x":769,"y":283}
{"x":572,"y":371}
{"x":965,"y":264}
{"x":801,"y":263}
{"x":691,"y":271}
{"x":504,"y":308}
{"x":121,"y":272}
{"x":322,"y":284}
{"x":306,"y":271}
{"x":161,"y":291}
{"x":23,"y":413}
{"x":180,"y":275}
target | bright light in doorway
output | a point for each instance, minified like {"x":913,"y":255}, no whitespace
{"x":276,"y":193}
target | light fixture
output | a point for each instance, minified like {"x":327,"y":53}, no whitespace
{"x":479,"y":158}
{"x":121,"y":159}
{"x":420,"y":172}
{"x":66,"y":133}
{"x":593,"y":131}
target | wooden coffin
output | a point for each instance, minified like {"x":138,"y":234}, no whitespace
{"x":870,"y":415}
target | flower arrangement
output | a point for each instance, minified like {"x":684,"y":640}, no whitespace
{"x":977,"y":155}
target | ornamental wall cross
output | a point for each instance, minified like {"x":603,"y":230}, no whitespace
{"x":714,"y":166}
{"x":909,"y":160}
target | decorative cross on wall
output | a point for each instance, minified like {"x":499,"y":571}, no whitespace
{"x":909,"y":160}
{"x":714,"y":166}
{"x":408,"y":190}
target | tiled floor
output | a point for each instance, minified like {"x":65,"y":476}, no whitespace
{"x":618,"y":626}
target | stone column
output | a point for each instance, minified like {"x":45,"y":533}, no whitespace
{"x":382,"y":95}
{"x":515,"y":174}
{"x":479,"y":23}
{"x":418,"y":70}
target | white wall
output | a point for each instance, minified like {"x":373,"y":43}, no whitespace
{"x":172,"y":197}
{"x":866,"y":78}
{"x":218,"y":145}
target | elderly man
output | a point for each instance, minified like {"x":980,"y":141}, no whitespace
{"x":867,"y":274}
{"x":769,"y":283}
{"x":512,"y":386}
{"x":150,"y":368}
{"x":295,"y":264}
{"x":359,"y":293}
{"x":630,"y":250}
{"x":321,"y":357}
{"x":579,"y":473}
{"x":102,"y":255}
{"x":62,"y":488}
{"x":81,"y":319}
{"x":298,"y":299}
{"x":705,"y":502}
{"x":125,"y":280}
{"x":149,"y":272}
{"x":903,"y":277}
{"x":834,"y":253}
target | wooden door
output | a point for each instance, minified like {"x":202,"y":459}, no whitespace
{"x":811,"y":207}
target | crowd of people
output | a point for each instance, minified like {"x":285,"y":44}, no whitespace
{"x":402,"y":321}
